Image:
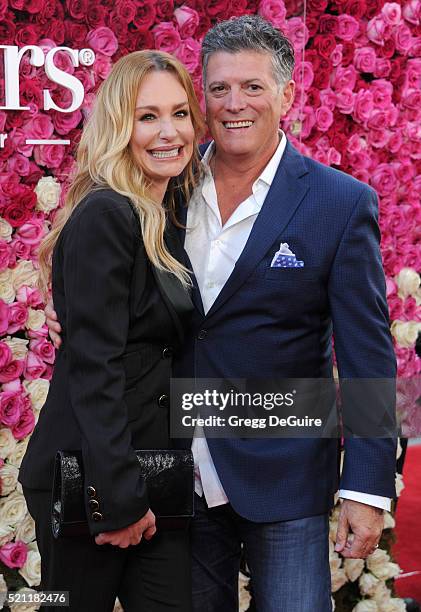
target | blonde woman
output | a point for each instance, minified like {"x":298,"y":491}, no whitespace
{"x":121,"y":325}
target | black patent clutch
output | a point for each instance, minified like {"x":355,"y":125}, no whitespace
{"x":169,"y":477}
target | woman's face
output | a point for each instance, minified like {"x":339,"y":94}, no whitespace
{"x":163,"y":134}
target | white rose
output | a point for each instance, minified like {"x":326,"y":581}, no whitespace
{"x":24,"y":274}
{"x":3,"y":591}
{"x":379,"y":563}
{"x":15,"y":458}
{"x":366,"y":605}
{"x":25,"y":530}
{"x":399,"y":484}
{"x":13,"y":509}
{"x":6,"y":535}
{"x":7,"y":442}
{"x":9,"y":478}
{"x":25,"y":607}
{"x":417,"y":297}
{"x":389,"y":521}
{"x":18,"y":346}
{"x":48,"y":193}
{"x":31,"y":571}
{"x":394,"y":605}
{"x":338,"y":578}
{"x":353,"y":568}
{"x":368,"y":583}
{"x":405,"y":332}
{"x":7,"y":291}
{"x":408,"y":281}
{"x":335,"y":562}
{"x":36,"y":319}
{"x":6,"y":230}
{"x":381,"y":594}
{"x":38,"y":391}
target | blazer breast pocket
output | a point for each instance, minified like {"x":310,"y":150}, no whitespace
{"x":292,"y":275}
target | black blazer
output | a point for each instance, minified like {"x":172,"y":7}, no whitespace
{"x":122,"y":322}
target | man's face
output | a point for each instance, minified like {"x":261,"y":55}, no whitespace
{"x":243,"y":103}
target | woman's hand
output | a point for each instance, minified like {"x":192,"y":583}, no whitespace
{"x":131,"y":535}
{"x":54,"y":327}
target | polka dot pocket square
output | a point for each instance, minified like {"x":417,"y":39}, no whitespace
{"x":285,"y":258}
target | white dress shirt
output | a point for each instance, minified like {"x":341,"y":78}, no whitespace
{"x":213,"y":250}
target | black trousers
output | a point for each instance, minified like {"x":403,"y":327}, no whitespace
{"x":153,"y":576}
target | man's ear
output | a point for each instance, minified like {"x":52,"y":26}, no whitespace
{"x":287,"y":97}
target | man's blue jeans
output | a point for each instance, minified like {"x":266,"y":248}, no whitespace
{"x":288,"y":561}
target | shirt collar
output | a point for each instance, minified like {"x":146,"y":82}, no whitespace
{"x":270,"y":169}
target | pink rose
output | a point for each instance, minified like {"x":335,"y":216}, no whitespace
{"x":273,"y":11}
{"x":166,"y":37}
{"x":19,"y":164}
{"x":18,"y":315}
{"x":25,"y":425}
{"x":365,"y":59}
{"x":403,"y":38}
{"x":187,"y":20}
{"x":189,"y":53}
{"x":345,"y":100}
{"x":14,"y":554}
{"x":49,"y":155}
{"x":344,"y":77}
{"x":382,"y":91}
{"x":303,"y":73}
{"x":378,"y":30}
{"x":328,"y":99}
{"x":11,"y":407}
{"x":405,"y":171}
{"x":34,"y":366}
{"x":65,"y":122}
{"x":4,"y":318}
{"x":29,"y":296}
{"x":347,"y":27}
{"x":361,"y":175}
{"x":395,"y":142}
{"x":102,"y":40}
{"x":324,"y":118}
{"x":363,"y":106}
{"x":5,"y":355}
{"x":39,"y":127}
{"x":378,"y":138}
{"x":32,"y":231}
{"x":356,"y":144}
{"x":43,"y":349}
{"x":297,"y":33}
{"x":5,"y":254}
{"x":391,"y":12}
{"x":412,"y":11}
{"x":336,"y":55}
{"x":11,"y":371}
{"x":102,"y":66}
{"x":382,"y":68}
{"x":383,"y":179}
{"x":20,"y":250}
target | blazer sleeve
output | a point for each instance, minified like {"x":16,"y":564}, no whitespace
{"x":98,"y":255}
{"x":365,"y":354}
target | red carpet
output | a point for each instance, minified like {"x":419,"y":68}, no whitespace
{"x":407,"y":550}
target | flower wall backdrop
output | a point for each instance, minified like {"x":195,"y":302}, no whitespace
{"x":358,"y":108}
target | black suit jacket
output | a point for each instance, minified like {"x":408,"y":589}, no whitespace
{"x":122,"y":322}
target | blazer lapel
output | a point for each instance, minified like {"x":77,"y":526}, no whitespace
{"x":175,"y":296}
{"x":285,"y":195}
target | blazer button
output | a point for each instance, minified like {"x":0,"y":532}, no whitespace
{"x":91,"y":491}
{"x":97,"y":516}
{"x":93,"y":504}
{"x":202,"y":334}
{"x":167,"y":352}
{"x":163,"y":401}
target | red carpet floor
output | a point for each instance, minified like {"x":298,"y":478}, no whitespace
{"x":407,"y":550}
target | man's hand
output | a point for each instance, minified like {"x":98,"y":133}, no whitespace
{"x":54,"y":327}
{"x":366,"y":523}
{"x":132,"y":534}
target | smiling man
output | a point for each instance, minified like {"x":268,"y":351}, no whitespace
{"x":259,"y":320}
{"x":285,"y":251}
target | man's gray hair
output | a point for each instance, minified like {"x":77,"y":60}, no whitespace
{"x":250,"y":33}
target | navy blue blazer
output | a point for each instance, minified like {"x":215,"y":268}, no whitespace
{"x":278,"y":322}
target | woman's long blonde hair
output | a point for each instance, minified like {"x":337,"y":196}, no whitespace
{"x":104,"y":159}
